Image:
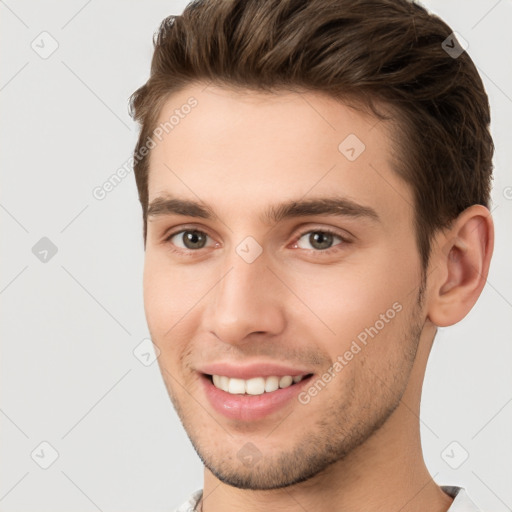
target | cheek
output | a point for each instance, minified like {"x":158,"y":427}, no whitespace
{"x":173,"y":299}
{"x":162,"y":290}
{"x":351,"y":302}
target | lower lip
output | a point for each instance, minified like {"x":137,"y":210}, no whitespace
{"x":250,"y":407}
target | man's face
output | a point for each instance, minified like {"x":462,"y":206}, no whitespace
{"x":334,"y":296}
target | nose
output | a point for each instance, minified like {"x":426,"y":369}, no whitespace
{"x":247,"y":300}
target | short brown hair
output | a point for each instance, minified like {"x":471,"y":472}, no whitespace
{"x":387,"y":52}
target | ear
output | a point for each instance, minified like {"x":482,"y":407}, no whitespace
{"x":460,"y":266}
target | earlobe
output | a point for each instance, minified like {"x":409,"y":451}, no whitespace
{"x":462,"y":264}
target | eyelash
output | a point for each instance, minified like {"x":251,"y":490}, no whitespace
{"x":190,"y":252}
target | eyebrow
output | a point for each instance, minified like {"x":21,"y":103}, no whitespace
{"x":332,"y":206}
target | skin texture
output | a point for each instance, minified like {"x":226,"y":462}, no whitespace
{"x":356,"y":444}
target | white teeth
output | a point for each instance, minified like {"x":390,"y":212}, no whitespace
{"x":224,"y":383}
{"x":271,"y":384}
{"x":254,"y":386}
{"x":285,"y":381}
{"x":236,"y":386}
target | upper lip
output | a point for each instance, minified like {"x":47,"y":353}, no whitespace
{"x":248,"y":371}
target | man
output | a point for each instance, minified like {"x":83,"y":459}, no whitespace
{"x":314,"y":178}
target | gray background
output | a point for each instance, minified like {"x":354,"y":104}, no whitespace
{"x":70,"y":323}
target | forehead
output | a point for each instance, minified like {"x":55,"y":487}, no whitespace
{"x":234,"y":147}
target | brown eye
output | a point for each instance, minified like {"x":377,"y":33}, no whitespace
{"x":318,"y":240}
{"x":189,"y":239}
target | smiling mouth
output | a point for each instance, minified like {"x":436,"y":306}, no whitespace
{"x":255,"y":385}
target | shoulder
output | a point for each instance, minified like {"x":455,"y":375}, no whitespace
{"x":190,"y":504}
{"x":461,"y":501}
